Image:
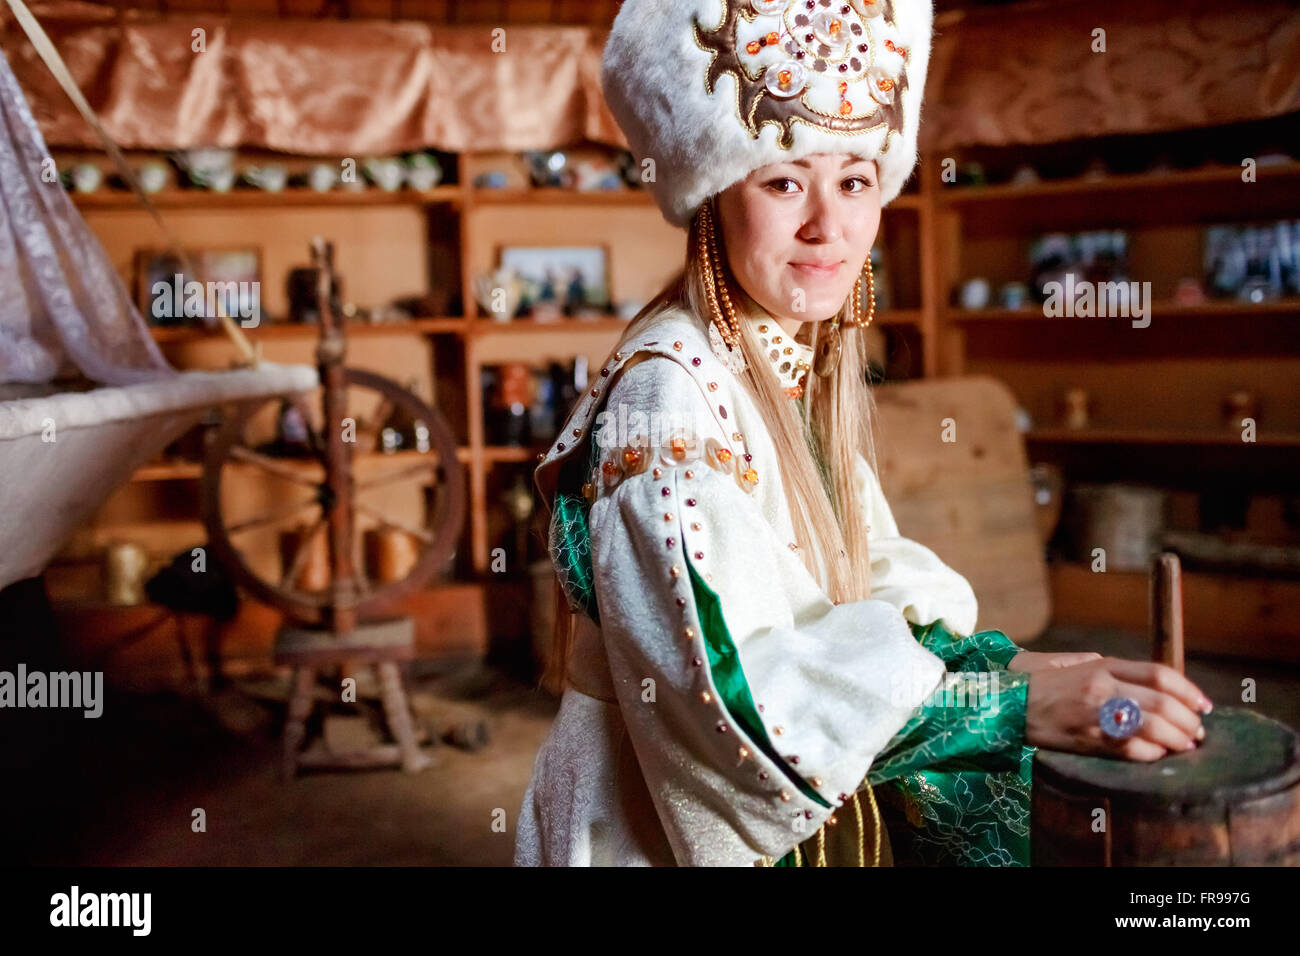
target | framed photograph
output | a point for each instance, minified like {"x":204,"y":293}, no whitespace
{"x":229,"y":282}
{"x":560,"y":280}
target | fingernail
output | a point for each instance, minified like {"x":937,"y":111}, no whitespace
{"x":1191,"y":745}
{"x":1200,"y":733}
{"x":1206,"y":706}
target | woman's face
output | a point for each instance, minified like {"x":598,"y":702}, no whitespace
{"x":798,"y":234}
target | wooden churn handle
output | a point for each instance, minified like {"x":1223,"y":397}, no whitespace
{"x":1167,"y":610}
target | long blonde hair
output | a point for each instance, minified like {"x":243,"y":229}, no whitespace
{"x":837,"y":421}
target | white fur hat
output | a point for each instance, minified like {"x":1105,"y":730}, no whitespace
{"x":713,"y":89}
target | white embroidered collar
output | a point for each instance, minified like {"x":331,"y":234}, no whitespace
{"x":790,"y":360}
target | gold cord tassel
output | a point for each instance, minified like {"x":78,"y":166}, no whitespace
{"x":875,"y":816}
{"x":862,"y":837}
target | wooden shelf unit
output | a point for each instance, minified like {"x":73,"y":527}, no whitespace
{"x":248,"y":198}
{"x":351,"y":217}
{"x":1174,"y":310}
{"x":485,"y":219}
{"x":1107,"y":186}
{"x":1119,"y":436}
{"x":1155,"y":391}
{"x":935,"y":237}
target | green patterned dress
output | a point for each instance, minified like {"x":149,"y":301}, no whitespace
{"x":954,"y":781}
{"x":953,"y":784}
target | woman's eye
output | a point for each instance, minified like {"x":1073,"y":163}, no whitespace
{"x":778,"y":184}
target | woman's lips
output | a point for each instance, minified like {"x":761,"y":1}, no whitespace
{"x":816,"y":271}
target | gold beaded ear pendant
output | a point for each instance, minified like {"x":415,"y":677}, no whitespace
{"x":829,"y":348}
{"x":858,"y":319}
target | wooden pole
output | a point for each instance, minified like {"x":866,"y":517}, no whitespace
{"x":1167,"y":610}
{"x":330,"y":354}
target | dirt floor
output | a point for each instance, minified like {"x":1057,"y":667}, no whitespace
{"x":123,"y":789}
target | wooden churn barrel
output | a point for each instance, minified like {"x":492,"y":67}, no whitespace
{"x":1233,"y":801}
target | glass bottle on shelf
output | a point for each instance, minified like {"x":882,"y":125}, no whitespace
{"x":543,"y":411}
{"x":401,"y":432}
{"x":518,"y":500}
{"x":509,"y":395}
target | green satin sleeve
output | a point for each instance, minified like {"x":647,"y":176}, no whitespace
{"x":954,"y":783}
{"x":981,"y":651}
{"x":570,"y":547}
{"x":977,"y":724}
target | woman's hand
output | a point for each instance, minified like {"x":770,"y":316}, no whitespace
{"x":1030,"y":661}
{"x":1064,"y":702}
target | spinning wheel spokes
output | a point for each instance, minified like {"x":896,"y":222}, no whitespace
{"x":400,"y":474}
{"x":271,"y":518}
{"x":267,"y":463}
{"x":418,"y":533}
{"x":375,"y":420}
{"x":301,"y":553}
{"x":413,"y":505}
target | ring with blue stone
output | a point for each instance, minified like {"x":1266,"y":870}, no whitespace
{"x":1120,"y":717}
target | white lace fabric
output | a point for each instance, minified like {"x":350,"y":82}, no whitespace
{"x":63,"y":308}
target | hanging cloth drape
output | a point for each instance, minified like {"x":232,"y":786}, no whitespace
{"x":63,"y":306}
{"x":998,"y":77}
{"x":316,"y":87}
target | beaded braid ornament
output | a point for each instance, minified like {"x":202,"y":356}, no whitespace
{"x":724,"y":327}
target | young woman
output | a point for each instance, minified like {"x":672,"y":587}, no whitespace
{"x":751,"y":651}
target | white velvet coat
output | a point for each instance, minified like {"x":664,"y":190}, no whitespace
{"x":645,"y":765}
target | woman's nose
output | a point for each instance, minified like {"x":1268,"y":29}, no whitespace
{"x":824,"y":220}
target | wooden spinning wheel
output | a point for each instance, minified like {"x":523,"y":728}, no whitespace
{"x":338,"y":488}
